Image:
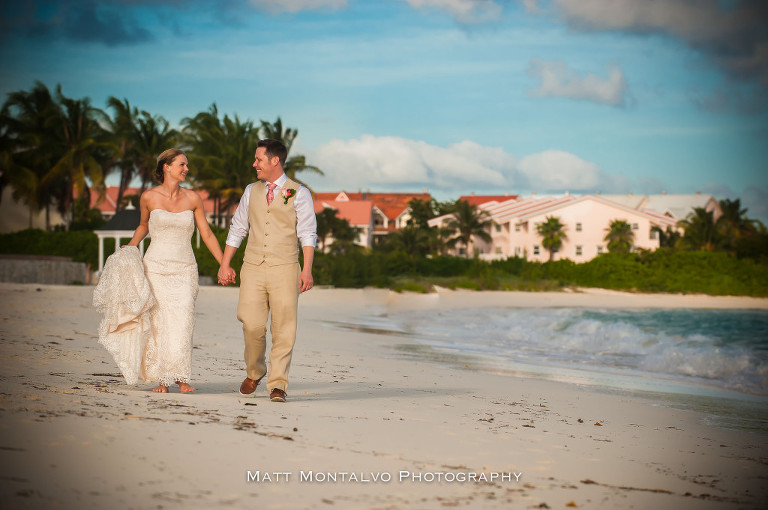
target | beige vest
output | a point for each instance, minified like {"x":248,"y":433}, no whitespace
{"x":272,"y":236}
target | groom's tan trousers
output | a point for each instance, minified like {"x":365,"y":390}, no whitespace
{"x":265,"y":289}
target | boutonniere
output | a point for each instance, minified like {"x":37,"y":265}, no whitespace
{"x":287,"y":193}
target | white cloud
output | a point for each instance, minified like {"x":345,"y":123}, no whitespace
{"x":557,"y":80}
{"x":392,"y":164}
{"x":277,"y":6}
{"x":464,"y":11}
{"x":397,"y":163}
{"x":732,"y":34}
{"x":555,"y":170}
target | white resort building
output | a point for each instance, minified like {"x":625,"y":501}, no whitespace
{"x":585,"y":218}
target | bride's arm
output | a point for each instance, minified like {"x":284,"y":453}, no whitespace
{"x":205,"y":230}
{"x":143,"y":229}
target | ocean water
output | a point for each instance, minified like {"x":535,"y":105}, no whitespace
{"x":710,"y":360}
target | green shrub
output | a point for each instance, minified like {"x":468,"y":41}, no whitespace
{"x":80,"y":245}
{"x":410,"y":287}
{"x":663,"y":270}
{"x":465,"y":284}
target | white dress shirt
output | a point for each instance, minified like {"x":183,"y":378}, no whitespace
{"x":306,"y":222}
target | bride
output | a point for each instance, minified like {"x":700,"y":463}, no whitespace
{"x":169,"y":214}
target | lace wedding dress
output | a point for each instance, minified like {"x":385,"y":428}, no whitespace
{"x":171,"y":269}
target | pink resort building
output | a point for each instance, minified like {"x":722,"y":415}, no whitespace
{"x":585,"y":218}
{"x":376,"y":214}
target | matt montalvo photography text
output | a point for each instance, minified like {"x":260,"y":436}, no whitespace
{"x":380,"y":477}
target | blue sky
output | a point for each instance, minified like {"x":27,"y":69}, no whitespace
{"x":452,"y":96}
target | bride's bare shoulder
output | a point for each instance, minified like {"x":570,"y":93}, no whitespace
{"x":192,"y":195}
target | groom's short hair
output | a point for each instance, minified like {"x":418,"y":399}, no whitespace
{"x":274,"y":148}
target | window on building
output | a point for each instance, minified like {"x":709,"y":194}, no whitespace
{"x":635,"y":226}
{"x":517,"y":227}
{"x":498,"y":250}
{"x":578,"y":227}
{"x":498,"y":227}
{"x":599,"y":250}
{"x":578,"y":250}
{"x":654,"y":234}
{"x":535,"y":249}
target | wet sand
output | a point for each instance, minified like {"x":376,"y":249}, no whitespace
{"x":364,"y":426}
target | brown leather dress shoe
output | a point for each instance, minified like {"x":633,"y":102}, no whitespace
{"x":277,"y":395}
{"x":249,"y":386}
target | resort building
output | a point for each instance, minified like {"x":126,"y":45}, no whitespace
{"x":389,"y":211}
{"x":484,"y":199}
{"x":358,"y":213}
{"x":672,"y":205}
{"x":585,"y":219}
{"x":107,"y":204}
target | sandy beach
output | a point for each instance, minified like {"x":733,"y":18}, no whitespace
{"x":365,"y":426}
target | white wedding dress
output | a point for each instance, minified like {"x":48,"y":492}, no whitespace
{"x":170,"y":267}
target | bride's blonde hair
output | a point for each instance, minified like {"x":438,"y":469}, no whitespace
{"x":166,"y":158}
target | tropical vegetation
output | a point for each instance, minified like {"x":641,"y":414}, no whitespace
{"x":552,"y":234}
{"x":619,"y":236}
{"x":55,"y":151}
{"x":468,"y":221}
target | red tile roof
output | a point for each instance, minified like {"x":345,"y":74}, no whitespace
{"x":483,"y":199}
{"x":391,"y":205}
{"x":107,"y":204}
{"x":356,"y":212}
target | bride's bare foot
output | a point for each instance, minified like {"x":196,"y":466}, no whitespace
{"x":184,"y":387}
{"x":161,"y":389}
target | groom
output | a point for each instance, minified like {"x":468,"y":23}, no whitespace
{"x":277,"y":214}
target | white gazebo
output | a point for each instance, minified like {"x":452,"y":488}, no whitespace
{"x":121,"y":225}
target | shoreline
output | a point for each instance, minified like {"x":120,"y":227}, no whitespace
{"x":74,"y":435}
{"x":721,"y":406}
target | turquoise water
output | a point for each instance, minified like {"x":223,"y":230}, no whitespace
{"x":711,"y":360}
{"x":723,"y":348}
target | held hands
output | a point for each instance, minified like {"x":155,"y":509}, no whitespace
{"x":226,"y":275}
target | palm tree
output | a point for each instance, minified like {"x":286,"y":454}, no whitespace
{"x":469,"y":221}
{"x":222,"y":156}
{"x":553,"y":234}
{"x":293,"y":164}
{"x":27,"y":126}
{"x":734,"y":226}
{"x":338,"y":229}
{"x":153,"y":136}
{"x":275,"y":131}
{"x":619,"y":236}
{"x":439,"y":237}
{"x":325,"y":222}
{"x":412,"y":240}
{"x":124,"y":134}
{"x":421,"y":212}
{"x":667,"y":238}
{"x":344,"y":237}
{"x":84,"y":151}
{"x":700,"y":231}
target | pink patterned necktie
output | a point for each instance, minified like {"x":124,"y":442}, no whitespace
{"x":271,"y":193}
